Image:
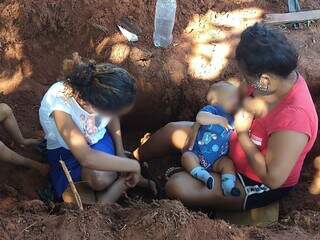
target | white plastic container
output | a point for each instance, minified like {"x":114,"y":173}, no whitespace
{"x":164,"y":22}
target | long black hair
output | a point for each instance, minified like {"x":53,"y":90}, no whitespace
{"x":104,"y":86}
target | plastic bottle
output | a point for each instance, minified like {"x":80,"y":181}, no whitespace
{"x":164,"y":22}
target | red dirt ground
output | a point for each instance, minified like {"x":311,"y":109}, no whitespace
{"x":36,"y":35}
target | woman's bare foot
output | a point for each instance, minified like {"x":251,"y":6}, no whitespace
{"x":149,"y":184}
{"x":153,"y":187}
{"x":114,"y":192}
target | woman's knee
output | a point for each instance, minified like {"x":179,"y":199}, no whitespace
{"x":99,"y":180}
{"x":5,"y":111}
{"x":178,"y":133}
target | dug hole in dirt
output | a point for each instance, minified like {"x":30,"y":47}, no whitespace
{"x":36,"y":35}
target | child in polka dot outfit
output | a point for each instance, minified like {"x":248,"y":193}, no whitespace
{"x":210,"y":139}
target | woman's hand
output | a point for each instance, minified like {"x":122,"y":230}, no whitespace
{"x":132,"y":179}
{"x":243,"y":121}
{"x":256,"y":106}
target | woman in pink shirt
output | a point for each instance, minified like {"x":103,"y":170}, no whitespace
{"x":274,"y":131}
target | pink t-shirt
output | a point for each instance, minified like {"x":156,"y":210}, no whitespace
{"x":296,"y":112}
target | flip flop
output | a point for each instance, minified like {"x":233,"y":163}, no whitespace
{"x":46,"y":195}
{"x":147,"y":174}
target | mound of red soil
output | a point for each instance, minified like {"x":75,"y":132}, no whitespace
{"x":158,"y":220}
{"x":36,"y":35}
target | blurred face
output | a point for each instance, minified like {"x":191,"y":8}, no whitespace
{"x":230,"y":99}
{"x":118,"y":113}
{"x":227,"y":96}
{"x":263,"y":84}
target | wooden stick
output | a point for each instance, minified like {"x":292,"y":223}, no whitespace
{"x":71,"y":183}
{"x":283,"y":18}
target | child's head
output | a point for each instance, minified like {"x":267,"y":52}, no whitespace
{"x":224,"y":94}
{"x":108,"y":89}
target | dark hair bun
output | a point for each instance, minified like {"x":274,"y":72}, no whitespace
{"x":105,"y":86}
{"x":77,"y":71}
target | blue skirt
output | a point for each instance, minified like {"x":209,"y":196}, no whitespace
{"x":57,"y":177}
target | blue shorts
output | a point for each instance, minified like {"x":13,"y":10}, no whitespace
{"x":57,"y":176}
{"x":211,"y":144}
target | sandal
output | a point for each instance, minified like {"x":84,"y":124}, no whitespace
{"x":147,"y":175}
{"x":171,"y":171}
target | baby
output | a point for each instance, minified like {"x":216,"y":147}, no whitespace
{"x":210,"y":139}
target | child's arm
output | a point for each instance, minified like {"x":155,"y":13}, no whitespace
{"x":10,"y":124}
{"x":115,"y":131}
{"x":89,"y":157}
{"x":206,"y":118}
{"x":7,"y":155}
